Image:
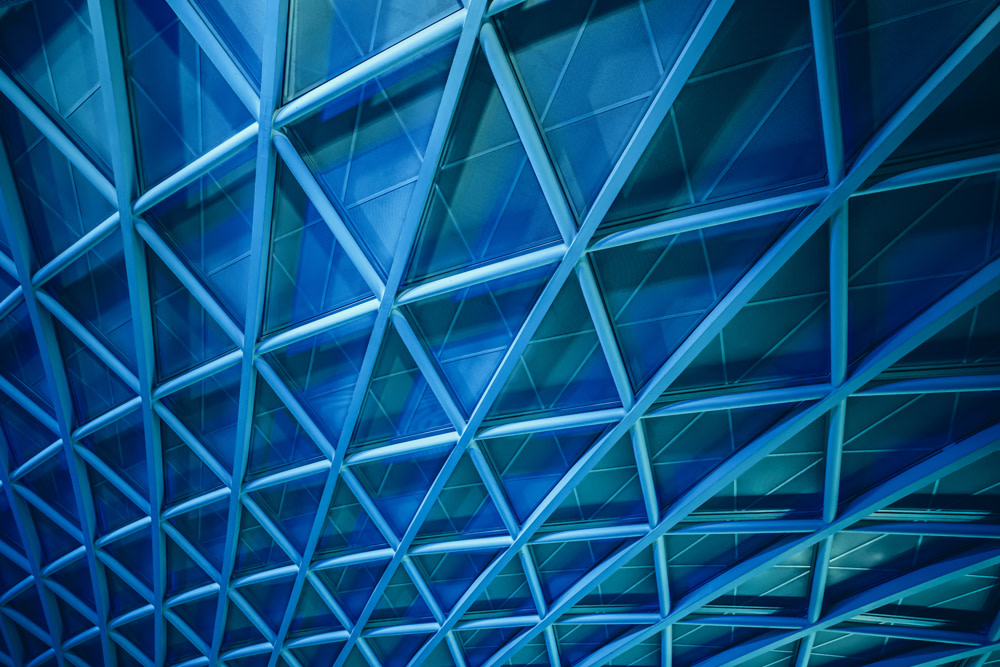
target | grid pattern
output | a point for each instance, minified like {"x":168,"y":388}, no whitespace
{"x":569,"y":333}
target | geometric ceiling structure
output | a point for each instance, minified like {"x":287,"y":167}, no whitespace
{"x":563,"y":332}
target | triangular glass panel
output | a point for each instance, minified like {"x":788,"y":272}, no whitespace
{"x":207,"y":223}
{"x":257,"y":549}
{"x":312,"y":615}
{"x":353,"y":585}
{"x":396,"y":650}
{"x":31,"y":646}
{"x":485,"y":203}
{"x":140,"y":633}
{"x":51,"y":481}
{"x":970,"y":344}
{"x":303,"y":248}
{"x":368,"y":145}
{"x":75,"y":577}
{"x":348,"y":34}
{"x":787,"y":483}
{"x":450,"y":574}
{"x":8,"y":283}
{"x":115,"y":445}
{"x":960,"y":127}
{"x":199,"y":615}
{"x":694,"y":643}
{"x":185,"y":475}
{"x":588,"y":71}
{"x":693,"y":560}
{"x":529,"y":466}
{"x":277,"y":442}
{"x":318,"y":654}
{"x":397,"y":485}
{"x":463,"y":509}
{"x":782,"y":334}
{"x":122,"y":598}
{"x":21,"y":364}
{"x":113,"y":508}
{"x":54,"y":541}
{"x":479,"y":645}
{"x":577,"y":642}
{"x":348,"y":528}
{"x":184,"y":335}
{"x":269,"y":599}
{"x":293,"y":506}
{"x":241,"y":30}
{"x":861,"y":561}
{"x":124,"y":658}
{"x":51,"y":54}
{"x":10,"y":533}
{"x":209,"y":409}
{"x":508,"y":593}
{"x":60,"y":205}
{"x":896,"y":46}
{"x":24,"y":434}
{"x":967,"y":603}
{"x":884,"y":435}
{"x":632,"y":588}
{"x":94,"y":289}
{"x":562,"y":564}
{"x":781,"y":589}
{"x":534,"y":652}
{"x":657,"y":291}
{"x":10,"y":573}
{"x":73,"y":622}
{"x":164,"y":64}
{"x":183,"y":573}
{"x":256,"y":660}
{"x":401,"y":602}
{"x":89,"y":651}
{"x":179,"y":648}
{"x":563,"y":366}
{"x":94,"y":388}
{"x":28,"y":604}
{"x":610,"y":494}
{"x":323,"y":370}
{"x":907,"y":248}
{"x":400,"y":403}
{"x":205,"y":528}
{"x":970,"y":495}
{"x":685,"y":448}
{"x":239,"y":630}
{"x":135,"y":552}
{"x":467,"y":332}
{"x":644,"y":654}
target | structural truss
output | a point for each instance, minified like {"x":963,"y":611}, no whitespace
{"x":578,"y":332}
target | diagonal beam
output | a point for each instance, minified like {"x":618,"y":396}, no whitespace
{"x":435,"y":148}
{"x":216,"y":51}
{"x":662,"y":100}
{"x":275,"y":21}
{"x":16,"y":227}
{"x":944,"y":80}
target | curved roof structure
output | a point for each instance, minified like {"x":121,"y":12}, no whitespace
{"x":579,"y":332}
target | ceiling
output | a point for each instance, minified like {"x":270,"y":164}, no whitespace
{"x":578,"y":332}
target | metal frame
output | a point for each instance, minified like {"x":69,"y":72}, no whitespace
{"x":471,"y":25}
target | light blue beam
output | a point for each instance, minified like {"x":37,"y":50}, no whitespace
{"x":111,"y":69}
{"x":275,"y":33}
{"x":651,"y":120}
{"x":941,"y":83}
{"x":214,"y":48}
{"x":15,"y":225}
{"x":432,"y":155}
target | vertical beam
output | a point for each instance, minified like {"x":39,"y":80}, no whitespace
{"x":111,"y":67}
{"x":33,"y":552}
{"x":432,"y":155}
{"x":275,"y":22}
{"x":16,"y":227}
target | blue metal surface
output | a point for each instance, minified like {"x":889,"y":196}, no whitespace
{"x":523,"y":332}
